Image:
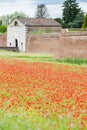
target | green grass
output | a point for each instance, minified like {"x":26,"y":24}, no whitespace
{"x":32,"y":57}
{"x":26,"y":56}
{"x":40,"y":31}
{"x":77,"y":30}
{"x":30,"y":120}
{"x":73,"y":61}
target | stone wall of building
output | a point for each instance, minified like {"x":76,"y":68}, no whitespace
{"x":16,"y":37}
{"x":3,"y":40}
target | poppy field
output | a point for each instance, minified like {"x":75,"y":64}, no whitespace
{"x":42,"y":96}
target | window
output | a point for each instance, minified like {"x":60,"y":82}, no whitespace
{"x":15,"y":23}
{"x":22,"y":45}
{"x":10,"y":43}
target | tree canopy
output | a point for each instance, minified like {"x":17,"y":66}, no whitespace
{"x":41,"y":11}
{"x":6,"y":19}
{"x":85,"y":22}
{"x":70,"y":11}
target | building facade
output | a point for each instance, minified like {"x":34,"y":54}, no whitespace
{"x":18,"y":30}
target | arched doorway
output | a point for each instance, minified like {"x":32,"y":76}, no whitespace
{"x":16,"y":43}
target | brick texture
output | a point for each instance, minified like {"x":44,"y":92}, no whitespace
{"x":62,"y":45}
{"x":71,"y":47}
{"x":3,"y":40}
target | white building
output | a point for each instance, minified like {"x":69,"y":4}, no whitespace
{"x":18,"y":30}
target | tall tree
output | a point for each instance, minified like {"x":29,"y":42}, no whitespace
{"x":70,"y":10}
{"x":85,"y":22}
{"x":0,"y":22}
{"x":78,"y":21}
{"x":59,"y":20}
{"x":41,"y":11}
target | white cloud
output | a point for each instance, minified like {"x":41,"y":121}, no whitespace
{"x":55,"y":10}
{"x":83,"y":6}
{"x":29,"y":7}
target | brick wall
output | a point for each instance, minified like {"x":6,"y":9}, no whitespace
{"x":62,"y":45}
{"x":45,"y":43}
{"x":3,"y":40}
{"x":71,"y":47}
{"x":65,"y":45}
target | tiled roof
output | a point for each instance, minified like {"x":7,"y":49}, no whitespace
{"x":39,"y":22}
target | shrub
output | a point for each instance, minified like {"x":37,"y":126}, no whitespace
{"x":3,"y":29}
{"x":85,"y":22}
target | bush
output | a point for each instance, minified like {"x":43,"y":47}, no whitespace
{"x":3,"y":29}
{"x":73,"y":61}
{"x":85,"y":22}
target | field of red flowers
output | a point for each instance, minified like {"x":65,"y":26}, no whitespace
{"x":50,"y":89}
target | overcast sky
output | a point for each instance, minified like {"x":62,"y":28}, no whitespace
{"x":29,"y":6}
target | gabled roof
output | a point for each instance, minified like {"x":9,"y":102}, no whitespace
{"x":45,"y":22}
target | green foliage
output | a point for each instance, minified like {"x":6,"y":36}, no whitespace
{"x":78,"y":21}
{"x":3,"y":29}
{"x":85,"y":22}
{"x":26,"y":56}
{"x":60,"y":20}
{"x":77,"y":30}
{"x":0,"y":22}
{"x":41,"y":11}
{"x":30,"y":120}
{"x":73,"y":61}
{"x":6,"y":19}
{"x":70,"y":11}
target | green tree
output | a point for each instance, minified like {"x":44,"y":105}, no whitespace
{"x":41,"y":11}
{"x":59,"y":20}
{"x":6,"y":19}
{"x":3,"y":29}
{"x":78,"y":21}
{"x":84,"y":25}
{"x":0,"y":22}
{"x":70,"y":11}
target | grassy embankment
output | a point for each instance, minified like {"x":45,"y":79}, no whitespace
{"x":32,"y":57}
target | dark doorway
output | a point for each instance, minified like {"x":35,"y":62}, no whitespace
{"x":16,"y":43}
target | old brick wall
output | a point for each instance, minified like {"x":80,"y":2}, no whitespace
{"x":71,"y":47}
{"x":45,"y":43}
{"x":66,"y":45}
{"x":62,"y":45}
{"x":3,"y":40}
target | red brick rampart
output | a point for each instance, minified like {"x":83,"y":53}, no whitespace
{"x":3,"y":40}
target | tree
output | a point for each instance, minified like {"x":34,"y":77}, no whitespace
{"x":41,"y":11}
{"x":0,"y":22}
{"x":70,"y":11}
{"x":84,"y":25}
{"x":78,"y":21}
{"x":59,"y":20}
{"x":6,"y":19}
{"x":3,"y":29}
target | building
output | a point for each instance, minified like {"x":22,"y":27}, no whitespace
{"x":18,"y":30}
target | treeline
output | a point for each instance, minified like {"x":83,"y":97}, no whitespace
{"x":6,"y":19}
{"x":72,"y":17}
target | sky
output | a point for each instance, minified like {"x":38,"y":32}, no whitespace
{"x":29,"y":7}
